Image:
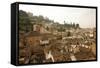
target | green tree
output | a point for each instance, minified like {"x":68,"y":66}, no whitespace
{"x":24,"y":22}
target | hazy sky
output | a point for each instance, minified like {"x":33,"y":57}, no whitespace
{"x":86,"y":17}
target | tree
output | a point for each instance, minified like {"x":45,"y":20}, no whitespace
{"x":40,"y":18}
{"x":73,"y":25}
{"x":69,"y":33}
{"x":24,"y":22}
{"x":77,"y":25}
{"x":47,"y":28}
{"x":61,"y":29}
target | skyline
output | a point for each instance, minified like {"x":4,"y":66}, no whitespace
{"x":85,"y":17}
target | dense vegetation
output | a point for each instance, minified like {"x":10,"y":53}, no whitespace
{"x":24,"y":22}
{"x":27,"y":20}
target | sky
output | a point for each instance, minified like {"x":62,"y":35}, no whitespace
{"x":85,"y":17}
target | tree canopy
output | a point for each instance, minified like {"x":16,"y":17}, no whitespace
{"x":24,"y":22}
{"x":27,"y":20}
